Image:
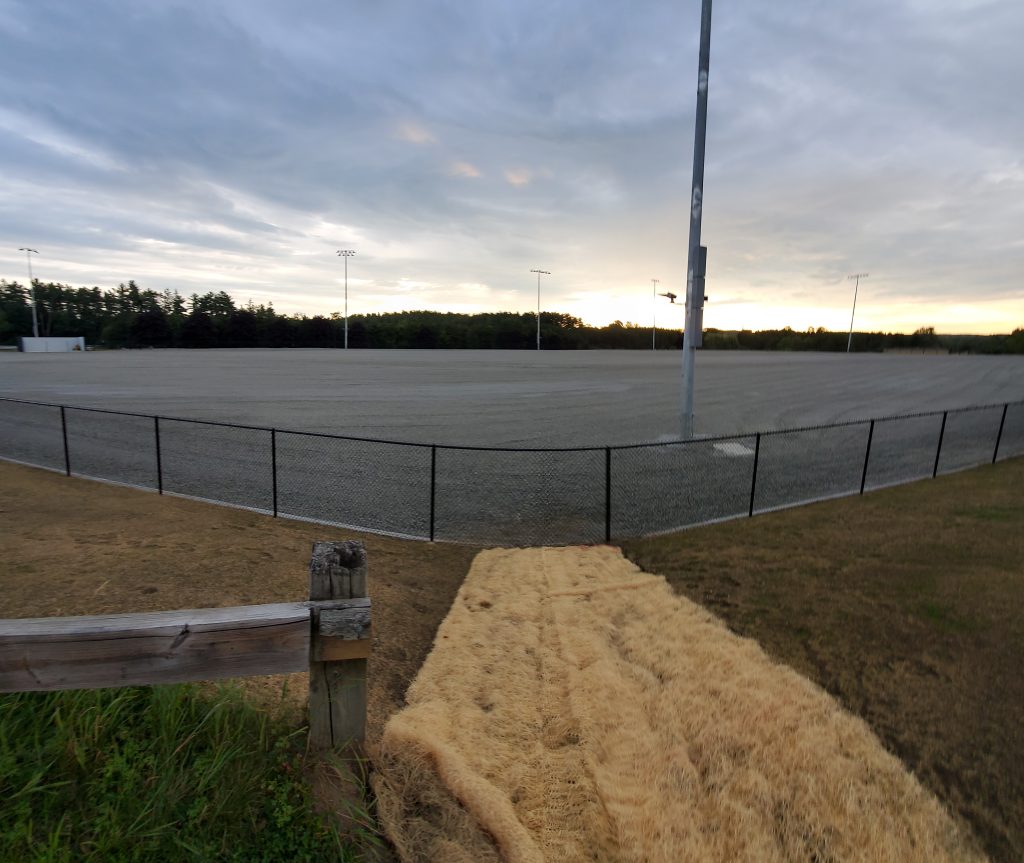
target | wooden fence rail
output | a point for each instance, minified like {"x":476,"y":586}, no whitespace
{"x":329,"y":635}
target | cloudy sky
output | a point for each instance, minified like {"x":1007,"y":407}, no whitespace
{"x":455,"y":146}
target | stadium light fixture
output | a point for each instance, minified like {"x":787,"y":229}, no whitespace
{"x":654,"y":315}
{"x":696,"y":254}
{"x":856,"y":287}
{"x":539,"y":273}
{"x":346,"y":254}
{"x":31,"y":287}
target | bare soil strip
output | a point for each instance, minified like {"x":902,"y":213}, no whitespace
{"x":574,"y":708}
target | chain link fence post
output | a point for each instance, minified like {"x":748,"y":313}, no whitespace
{"x":273,"y":467}
{"x":607,"y":494}
{"x":753,"y":476}
{"x":938,"y":449}
{"x":64,"y":432}
{"x":433,"y":488}
{"x":867,"y":455}
{"x":999,"y":436}
{"x":159,"y":462}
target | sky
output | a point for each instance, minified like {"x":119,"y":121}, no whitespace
{"x":236,"y":145}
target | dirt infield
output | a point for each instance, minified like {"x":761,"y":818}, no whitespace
{"x":573,"y":708}
{"x":516,"y":398}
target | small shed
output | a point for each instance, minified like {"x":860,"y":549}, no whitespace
{"x":51,"y":344}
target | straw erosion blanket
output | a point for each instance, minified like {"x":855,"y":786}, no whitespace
{"x":575,"y":708}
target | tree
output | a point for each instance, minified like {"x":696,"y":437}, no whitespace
{"x":358,"y":337}
{"x":240,"y":330}
{"x":117,"y":332}
{"x":197,"y":331}
{"x":151,"y":329}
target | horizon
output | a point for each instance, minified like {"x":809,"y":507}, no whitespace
{"x":238,"y":146}
{"x":624,"y":323}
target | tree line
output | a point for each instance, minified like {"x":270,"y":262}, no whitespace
{"x":130,"y":317}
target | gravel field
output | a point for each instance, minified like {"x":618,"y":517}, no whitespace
{"x":513,"y":399}
{"x":510,"y":398}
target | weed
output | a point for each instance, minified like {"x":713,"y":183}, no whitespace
{"x":154,"y":773}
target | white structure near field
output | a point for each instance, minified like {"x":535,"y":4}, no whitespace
{"x":51,"y":344}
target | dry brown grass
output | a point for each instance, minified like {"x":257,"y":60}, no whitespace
{"x":573,"y":708}
{"x":907,"y":605}
{"x":72,"y":546}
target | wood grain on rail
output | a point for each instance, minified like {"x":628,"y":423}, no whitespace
{"x":154,"y":647}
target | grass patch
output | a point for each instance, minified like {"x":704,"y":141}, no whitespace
{"x":155,"y":773}
{"x":908,"y":605}
{"x":992,"y":513}
{"x":946,"y":618}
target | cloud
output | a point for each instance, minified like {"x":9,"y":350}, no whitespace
{"x":415,"y":134}
{"x":518,"y":176}
{"x":465,"y":169}
{"x":237,"y":145}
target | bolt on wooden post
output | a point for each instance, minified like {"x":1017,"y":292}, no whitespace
{"x":339,"y":645}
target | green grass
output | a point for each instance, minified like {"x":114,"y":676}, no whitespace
{"x":153,"y":774}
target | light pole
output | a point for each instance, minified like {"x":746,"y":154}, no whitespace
{"x":346,"y":254}
{"x":696,"y":255}
{"x":856,"y":287}
{"x":546,"y":273}
{"x":31,"y":287}
{"x":654,"y":315}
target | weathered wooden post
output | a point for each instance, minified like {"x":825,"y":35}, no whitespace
{"x":339,"y":645}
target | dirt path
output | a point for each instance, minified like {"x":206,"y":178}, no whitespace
{"x":574,"y":708}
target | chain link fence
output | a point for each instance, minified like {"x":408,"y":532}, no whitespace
{"x":496,"y":496}
{"x":520,"y":497}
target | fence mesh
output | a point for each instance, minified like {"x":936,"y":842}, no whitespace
{"x":1012,"y":441}
{"x":520,"y":497}
{"x":903,"y":449}
{"x":800,"y":466}
{"x":227,"y":464}
{"x":502,"y":496}
{"x":31,"y":433}
{"x":377,"y":486}
{"x":969,"y":438}
{"x":112,"y":446}
{"x":665,"y":486}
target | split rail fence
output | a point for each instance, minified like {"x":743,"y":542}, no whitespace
{"x":504,"y":495}
{"x":329,"y":636}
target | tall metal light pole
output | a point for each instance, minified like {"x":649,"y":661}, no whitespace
{"x":346,"y":254}
{"x":695,"y":256}
{"x":654,"y":315}
{"x":546,"y":273}
{"x":856,"y":287}
{"x":31,"y":287}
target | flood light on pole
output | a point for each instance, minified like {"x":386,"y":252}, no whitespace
{"x":856,"y":287}
{"x":346,"y":254}
{"x":31,"y":287}
{"x":539,"y":274}
{"x":654,"y":315}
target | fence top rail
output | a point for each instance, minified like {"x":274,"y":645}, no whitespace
{"x":138,"y":624}
{"x":472,"y":448}
{"x":149,"y":623}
